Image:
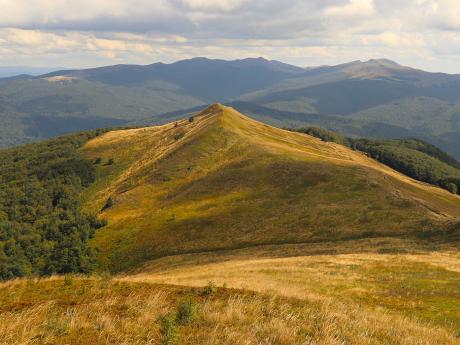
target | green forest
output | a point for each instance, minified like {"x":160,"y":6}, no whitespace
{"x":42,"y":229}
{"x":412,"y":157}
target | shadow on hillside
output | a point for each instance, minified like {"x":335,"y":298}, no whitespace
{"x":379,"y":245}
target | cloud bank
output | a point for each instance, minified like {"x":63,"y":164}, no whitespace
{"x":421,"y":33}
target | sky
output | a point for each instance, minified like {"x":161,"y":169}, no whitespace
{"x":88,"y":33}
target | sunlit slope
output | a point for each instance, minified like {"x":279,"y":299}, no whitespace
{"x":225,"y":181}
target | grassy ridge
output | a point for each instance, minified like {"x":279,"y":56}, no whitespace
{"x":225,"y":181}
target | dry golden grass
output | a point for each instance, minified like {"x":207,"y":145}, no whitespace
{"x":95,"y":311}
{"x":423,"y":286}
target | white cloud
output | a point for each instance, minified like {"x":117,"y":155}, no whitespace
{"x":306,"y":32}
{"x":216,"y":5}
{"x":353,"y":8}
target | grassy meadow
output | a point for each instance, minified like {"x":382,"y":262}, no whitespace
{"x":100,"y":310}
{"x":418,"y":283}
{"x":223,"y":230}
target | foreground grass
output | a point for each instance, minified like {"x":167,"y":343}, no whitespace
{"x":102,"y":311}
{"x":422,"y":286}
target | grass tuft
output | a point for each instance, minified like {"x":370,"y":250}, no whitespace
{"x":186,"y":311}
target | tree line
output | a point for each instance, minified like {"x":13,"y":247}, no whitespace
{"x":42,"y":228}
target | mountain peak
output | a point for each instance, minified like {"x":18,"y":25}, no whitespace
{"x":383,"y":62}
{"x":228,"y":172}
{"x":373,"y":68}
{"x":213,"y":109}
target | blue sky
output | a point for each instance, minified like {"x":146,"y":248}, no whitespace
{"x":87,"y":33}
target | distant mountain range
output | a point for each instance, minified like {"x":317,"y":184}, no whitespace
{"x":376,"y":98}
{"x":11,"y":71}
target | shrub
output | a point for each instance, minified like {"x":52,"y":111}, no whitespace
{"x":98,"y":223}
{"x":191,"y":119}
{"x":210,"y":289}
{"x":452,"y":187}
{"x":186,"y":311}
{"x":108,"y":204}
{"x":168,"y":330}
{"x":110,"y":161}
{"x":179,"y":135}
{"x":98,"y":160}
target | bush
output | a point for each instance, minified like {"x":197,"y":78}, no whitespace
{"x":110,"y":161}
{"x":452,"y":187}
{"x":108,"y":204}
{"x":98,"y":223}
{"x":210,"y":289}
{"x":186,"y":311}
{"x":191,"y":119}
{"x":179,"y":135}
{"x":168,"y":330}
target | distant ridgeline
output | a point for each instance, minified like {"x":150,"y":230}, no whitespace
{"x":42,"y":230}
{"x":412,"y":157}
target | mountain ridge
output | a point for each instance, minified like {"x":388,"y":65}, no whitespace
{"x":375,"y":98}
{"x":172,"y":185}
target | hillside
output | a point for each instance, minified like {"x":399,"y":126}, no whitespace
{"x":223,"y":229}
{"x":223,"y":181}
{"x":412,"y":157}
{"x":34,"y":108}
{"x":376,"y":98}
{"x":40,"y":108}
{"x":205,"y":79}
